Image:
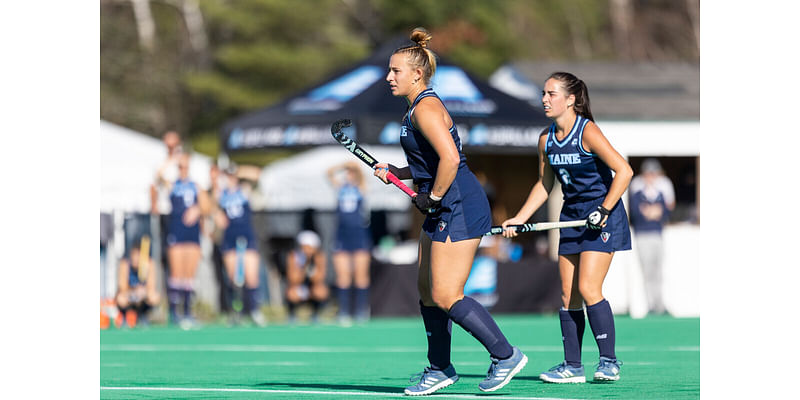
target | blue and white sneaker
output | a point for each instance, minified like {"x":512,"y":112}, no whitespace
{"x":501,"y":371}
{"x":431,"y":380}
{"x":607,"y":370}
{"x":564,"y":373}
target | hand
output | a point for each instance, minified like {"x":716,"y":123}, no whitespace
{"x":597,"y":219}
{"x":511,"y":232}
{"x":191,"y":215}
{"x":382,"y":169}
{"x":425,"y":203}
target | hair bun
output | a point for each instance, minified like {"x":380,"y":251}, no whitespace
{"x":421,"y":37}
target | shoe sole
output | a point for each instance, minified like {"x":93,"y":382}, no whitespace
{"x":572,"y":379}
{"x":603,"y":378}
{"x":510,"y":375}
{"x":441,"y":385}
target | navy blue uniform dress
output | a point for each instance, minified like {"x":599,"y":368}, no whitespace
{"x":465,"y":212}
{"x":237,"y":209}
{"x":183,"y":196}
{"x":585,"y":180}
{"x":352,"y":231}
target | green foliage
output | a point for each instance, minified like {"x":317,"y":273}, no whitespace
{"x":261,"y":51}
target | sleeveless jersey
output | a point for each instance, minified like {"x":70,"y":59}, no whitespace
{"x":183,"y":196}
{"x":237,"y":209}
{"x":421,"y":156}
{"x":583,"y":175}
{"x":350,"y":207}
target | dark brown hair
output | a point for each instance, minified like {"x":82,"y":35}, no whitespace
{"x":419,"y":55}
{"x":576,"y":87}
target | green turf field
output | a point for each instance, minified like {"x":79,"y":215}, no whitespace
{"x":661,"y":358}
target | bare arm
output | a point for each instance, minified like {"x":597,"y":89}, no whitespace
{"x":294,"y":272}
{"x":319,"y":272}
{"x":432,"y":120}
{"x":595,"y":142}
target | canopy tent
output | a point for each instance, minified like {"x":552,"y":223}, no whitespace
{"x":301,"y":182}
{"x":128,"y":164}
{"x":488,"y":120}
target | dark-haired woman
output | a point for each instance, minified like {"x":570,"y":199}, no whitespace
{"x":574,"y":151}
{"x":457,"y":214}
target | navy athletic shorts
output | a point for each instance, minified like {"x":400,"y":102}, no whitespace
{"x":616,"y":235}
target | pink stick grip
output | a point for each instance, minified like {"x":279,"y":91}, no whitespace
{"x":401,"y":185}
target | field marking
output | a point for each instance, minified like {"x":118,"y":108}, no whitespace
{"x":348,"y":349}
{"x":318,"y":392}
{"x":265,"y":363}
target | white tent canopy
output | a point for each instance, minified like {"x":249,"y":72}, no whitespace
{"x":128,"y":164}
{"x":301,"y":181}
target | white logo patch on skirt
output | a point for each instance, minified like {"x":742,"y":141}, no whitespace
{"x":442,"y":225}
{"x":605,"y":236}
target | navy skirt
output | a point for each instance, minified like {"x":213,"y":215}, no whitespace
{"x":464,"y":213}
{"x":616,"y":235}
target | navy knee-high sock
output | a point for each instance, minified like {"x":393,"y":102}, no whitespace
{"x":343,"y":296}
{"x":187,"y":301}
{"x":438,"y":327}
{"x":601,"y":320}
{"x":251,"y":302}
{"x":470,"y":315}
{"x":362,"y":303}
{"x":573,"y":325}
{"x":173,"y":299}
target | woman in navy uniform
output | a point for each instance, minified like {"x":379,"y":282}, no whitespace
{"x":457,"y":215}
{"x":189,"y":203}
{"x":574,"y":151}
{"x":235,"y":217}
{"x":351,"y":257}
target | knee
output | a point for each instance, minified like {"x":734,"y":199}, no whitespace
{"x":153,"y":299}
{"x":591,"y":293}
{"x":122,"y":300}
{"x":445,"y":300}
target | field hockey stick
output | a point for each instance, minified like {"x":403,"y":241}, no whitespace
{"x":144,"y":257}
{"x":541,"y":226}
{"x":238,"y":279}
{"x":353,"y":147}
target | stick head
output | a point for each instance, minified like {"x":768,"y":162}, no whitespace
{"x":336,"y":128}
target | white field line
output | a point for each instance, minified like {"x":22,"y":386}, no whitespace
{"x":316,"y":392}
{"x":346,"y":349}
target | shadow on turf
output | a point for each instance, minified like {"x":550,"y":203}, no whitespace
{"x":366,"y":388}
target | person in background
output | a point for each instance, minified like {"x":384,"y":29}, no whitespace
{"x":189,"y":204}
{"x":215,"y":233}
{"x":575,"y":151}
{"x":351,"y":249}
{"x":239,"y":244}
{"x":136,"y":286}
{"x":305,"y":275}
{"x":652,"y":199}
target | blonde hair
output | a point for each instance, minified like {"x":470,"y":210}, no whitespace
{"x":419,"y":55}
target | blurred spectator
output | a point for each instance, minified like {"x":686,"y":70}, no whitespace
{"x":305,"y":275}
{"x":136,"y":286}
{"x":166,"y":174}
{"x":189,"y":203}
{"x":215,"y":233}
{"x":239,"y":246}
{"x":351,"y":248}
{"x":651,"y":201}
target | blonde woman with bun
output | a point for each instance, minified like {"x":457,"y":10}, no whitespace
{"x":456,"y":216}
